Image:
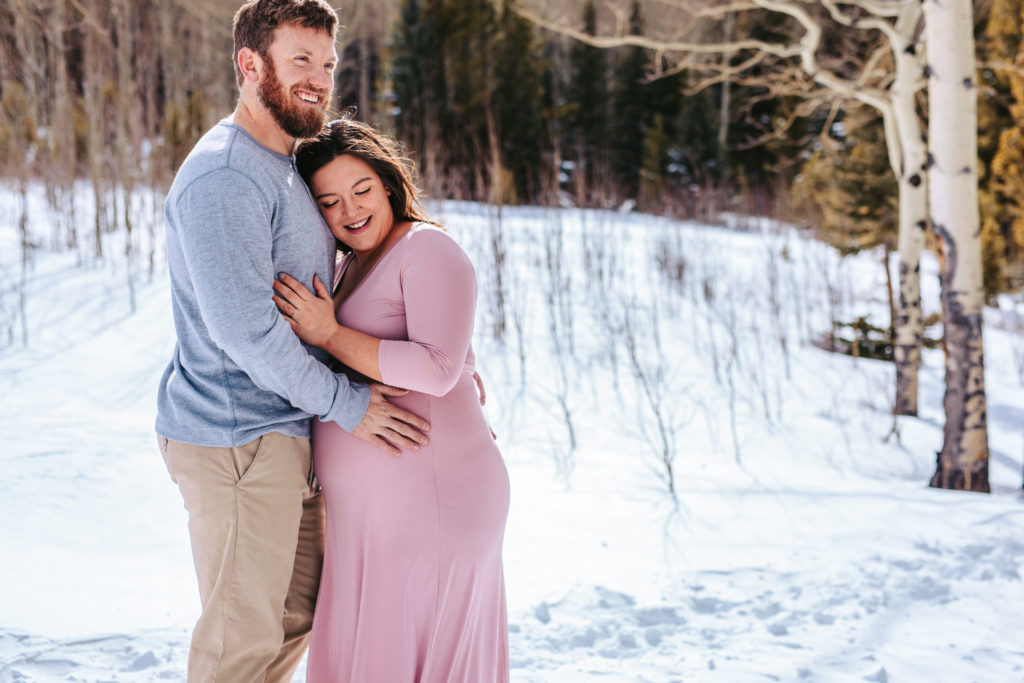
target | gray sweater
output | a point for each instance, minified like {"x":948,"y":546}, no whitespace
{"x":236,"y":215}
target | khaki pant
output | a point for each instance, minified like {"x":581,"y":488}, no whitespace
{"x":257,"y":533}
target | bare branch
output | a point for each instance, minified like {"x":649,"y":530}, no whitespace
{"x":655,"y":44}
{"x":855,"y":20}
{"x":726,"y":72}
{"x":1004,"y":67}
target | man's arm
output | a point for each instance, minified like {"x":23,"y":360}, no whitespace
{"x":225,"y":230}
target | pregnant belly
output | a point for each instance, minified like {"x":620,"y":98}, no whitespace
{"x":460,"y":473}
{"x":457,"y":426}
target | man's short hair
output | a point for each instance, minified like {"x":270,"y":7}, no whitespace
{"x":256,"y":21}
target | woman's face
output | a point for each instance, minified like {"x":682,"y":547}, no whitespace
{"x":354,"y":203}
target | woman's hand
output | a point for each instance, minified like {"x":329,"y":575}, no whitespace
{"x":311,"y":317}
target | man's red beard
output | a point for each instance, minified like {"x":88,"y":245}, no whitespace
{"x":296,"y":120}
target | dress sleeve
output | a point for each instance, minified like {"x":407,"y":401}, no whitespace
{"x":439,"y":290}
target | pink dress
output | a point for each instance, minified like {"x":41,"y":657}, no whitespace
{"x":412,"y":588}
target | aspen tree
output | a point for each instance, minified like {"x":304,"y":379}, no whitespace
{"x":953,"y":205}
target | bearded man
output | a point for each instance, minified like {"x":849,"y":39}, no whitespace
{"x":235,"y":401}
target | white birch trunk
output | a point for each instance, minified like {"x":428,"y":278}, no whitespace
{"x":953,"y":203}
{"x":62,"y":141}
{"x":913,"y":208}
{"x":92,"y":96}
{"x":127,"y":134}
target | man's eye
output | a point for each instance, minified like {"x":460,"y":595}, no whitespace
{"x":302,"y":59}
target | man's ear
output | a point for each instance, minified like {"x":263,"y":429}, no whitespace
{"x":250,"y":64}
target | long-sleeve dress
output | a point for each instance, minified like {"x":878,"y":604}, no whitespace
{"x":412,"y":588}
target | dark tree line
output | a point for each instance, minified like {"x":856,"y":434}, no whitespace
{"x":115,"y":93}
{"x":499,"y":110}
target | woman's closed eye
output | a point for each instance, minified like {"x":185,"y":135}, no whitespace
{"x":361,"y":192}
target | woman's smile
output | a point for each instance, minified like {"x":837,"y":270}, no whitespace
{"x":356,"y":228}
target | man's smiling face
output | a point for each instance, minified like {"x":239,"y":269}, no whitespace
{"x":297,"y":79}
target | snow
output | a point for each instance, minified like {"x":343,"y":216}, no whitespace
{"x":805,"y":544}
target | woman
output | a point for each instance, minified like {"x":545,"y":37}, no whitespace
{"x":412,"y":586}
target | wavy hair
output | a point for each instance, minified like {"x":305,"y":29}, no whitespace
{"x":381,"y":153}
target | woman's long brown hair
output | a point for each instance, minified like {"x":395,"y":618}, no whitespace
{"x":380,"y":152}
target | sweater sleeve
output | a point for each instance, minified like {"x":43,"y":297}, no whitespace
{"x":227,"y":244}
{"x":439,"y":290}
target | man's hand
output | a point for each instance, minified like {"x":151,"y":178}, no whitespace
{"x":387,"y":426}
{"x":483,"y":398}
{"x":480,"y":387}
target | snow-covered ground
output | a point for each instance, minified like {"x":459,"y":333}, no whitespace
{"x":805,"y":544}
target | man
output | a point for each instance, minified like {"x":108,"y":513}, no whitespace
{"x":235,"y":401}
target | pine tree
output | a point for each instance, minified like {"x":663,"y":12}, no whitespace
{"x":698,"y":155}
{"x":1002,"y":187}
{"x":468,"y":28}
{"x":652,"y":172}
{"x":420,"y":89}
{"x":997,"y":44}
{"x":359,"y":61}
{"x":630,"y":111}
{"x":517,"y":104}
{"x":755,"y":156}
{"x":407,"y":73}
{"x":850,"y":190}
{"x":664,"y":99}
{"x":587,"y":106}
